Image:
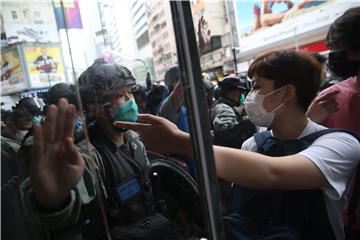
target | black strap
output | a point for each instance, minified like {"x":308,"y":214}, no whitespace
{"x":261,"y":137}
{"x":355,"y":197}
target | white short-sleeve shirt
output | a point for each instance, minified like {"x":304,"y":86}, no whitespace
{"x":336,"y":155}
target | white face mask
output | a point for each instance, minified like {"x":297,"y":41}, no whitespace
{"x":254,"y":107}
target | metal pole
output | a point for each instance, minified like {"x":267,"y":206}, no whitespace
{"x":235,"y":62}
{"x":93,"y":166}
{"x":195,"y":100}
{"x":68,"y":40}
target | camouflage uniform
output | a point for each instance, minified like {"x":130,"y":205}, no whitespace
{"x":230,"y":124}
{"x":12,"y":225}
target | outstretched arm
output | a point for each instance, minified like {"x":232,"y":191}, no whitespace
{"x":243,"y":167}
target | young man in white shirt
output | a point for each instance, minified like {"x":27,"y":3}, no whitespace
{"x":283,"y":85}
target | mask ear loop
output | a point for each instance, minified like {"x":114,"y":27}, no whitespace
{"x":281,"y":105}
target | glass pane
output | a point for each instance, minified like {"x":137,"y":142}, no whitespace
{"x":89,"y":178}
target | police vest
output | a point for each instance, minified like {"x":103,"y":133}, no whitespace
{"x":235,"y":136}
{"x":125,"y":178}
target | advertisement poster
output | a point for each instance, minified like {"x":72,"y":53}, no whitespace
{"x":263,"y":23}
{"x":45,"y":65}
{"x":31,"y":33}
{"x":12,"y":74}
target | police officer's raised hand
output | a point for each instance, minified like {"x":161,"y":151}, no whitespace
{"x":56,"y":165}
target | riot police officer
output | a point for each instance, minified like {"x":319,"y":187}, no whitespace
{"x":228,"y":117}
{"x":61,"y":192}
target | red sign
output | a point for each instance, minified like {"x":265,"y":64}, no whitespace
{"x":315,"y":47}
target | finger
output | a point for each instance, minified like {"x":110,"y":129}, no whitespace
{"x":199,"y":23}
{"x":50,"y":124}
{"x":73,"y":155}
{"x":332,"y":108}
{"x":60,"y":121}
{"x":69,"y":124}
{"x":327,"y":95}
{"x":152,"y":119}
{"x":38,"y":145}
{"x":137,"y":127}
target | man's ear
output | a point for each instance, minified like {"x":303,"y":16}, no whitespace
{"x":95,"y":110}
{"x":290,"y":93}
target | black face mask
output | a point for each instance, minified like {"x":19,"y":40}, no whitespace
{"x":341,"y":66}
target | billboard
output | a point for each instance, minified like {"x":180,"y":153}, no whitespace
{"x":31,"y":33}
{"x":72,"y":14}
{"x":263,"y":24}
{"x":29,"y":21}
{"x":44,"y":64}
{"x":12,"y":74}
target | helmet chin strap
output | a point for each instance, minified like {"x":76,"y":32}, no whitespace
{"x":119,"y":129}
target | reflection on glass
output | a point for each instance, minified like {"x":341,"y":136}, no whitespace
{"x":79,"y":186}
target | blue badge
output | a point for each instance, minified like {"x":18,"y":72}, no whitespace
{"x":128,"y":190}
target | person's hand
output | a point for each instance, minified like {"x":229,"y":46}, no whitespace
{"x":158,"y":134}
{"x":322,"y":107}
{"x":55,"y":166}
{"x":204,"y":34}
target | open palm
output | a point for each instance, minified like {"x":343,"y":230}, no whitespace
{"x":204,"y":34}
{"x":56,"y":165}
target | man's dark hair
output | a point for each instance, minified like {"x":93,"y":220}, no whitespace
{"x":26,"y":109}
{"x":344,"y":33}
{"x":62,"y":90}
{"x":284,"y":67}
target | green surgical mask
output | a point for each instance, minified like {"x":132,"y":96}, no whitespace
{"x":127,"y":112}
{"x":242,"y":99}
{"x":37,"y":119}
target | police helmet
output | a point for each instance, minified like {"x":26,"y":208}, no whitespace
{"x":29,"y":107}
{"x":232,"y":83}
{"x":101,"y":79}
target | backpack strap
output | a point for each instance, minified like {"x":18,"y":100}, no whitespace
{"x":261,"y":137}
{"x":355,"y":198}
{"x":312,"y":137}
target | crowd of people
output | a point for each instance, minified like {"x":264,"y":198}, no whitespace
{"x":286,"y":154}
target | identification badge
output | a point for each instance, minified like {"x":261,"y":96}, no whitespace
{"x":128,"y":190}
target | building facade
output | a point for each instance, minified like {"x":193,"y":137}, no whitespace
{"x":161,"y":34}
{"x":218,"y":58}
